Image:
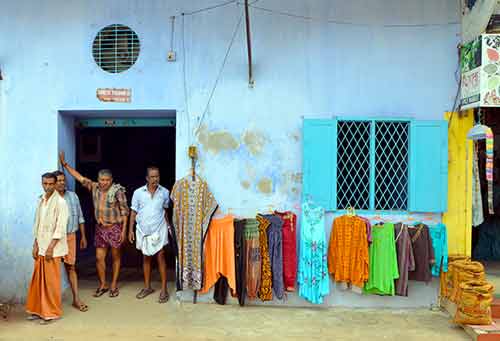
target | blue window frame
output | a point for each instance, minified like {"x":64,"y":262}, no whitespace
{"x":376,"y":164}
{"x":372,"y":164}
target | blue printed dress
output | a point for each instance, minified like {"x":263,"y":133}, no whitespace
{"x":313,"y":279}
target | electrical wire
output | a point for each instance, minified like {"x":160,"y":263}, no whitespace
{"x":339,"y":22}
{"x":210,"y":8}
{"x":238,"y":25}
{"x":281,"y":13}
{"x":184,"y":72}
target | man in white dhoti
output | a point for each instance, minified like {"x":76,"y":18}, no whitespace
{"x":149,"y":209}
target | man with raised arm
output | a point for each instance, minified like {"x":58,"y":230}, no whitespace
{"x":111,"y":214}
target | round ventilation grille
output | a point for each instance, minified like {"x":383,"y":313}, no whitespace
{"x":116,"y":48}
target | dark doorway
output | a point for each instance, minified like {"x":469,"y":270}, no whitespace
{"x":486,"y":236}
{"x":127,"y":152}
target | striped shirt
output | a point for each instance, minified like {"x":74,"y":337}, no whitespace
{"x":107,"y":211}
{"x":75,"y":212}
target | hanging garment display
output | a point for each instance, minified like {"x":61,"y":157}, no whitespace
{"x":266,"y":276}
{"x":313,"y":280}
{"x":239,"y":258}
{"x":275,"y":239}
{"x":477,"y":199}
{"x":253,"y":260}
{"x":368,"y":230}
{"x":482,"y":132}
{"x":406,"y":261}
{"x":218,"y":257}
{"x":423,"y":252}
{"x":289,"y":235}
{"x":383,"y":261}
{"x":488,"y":241}
{"x":194,"y":206}
{"x":348,"y":251}
{"x":439,"y":237}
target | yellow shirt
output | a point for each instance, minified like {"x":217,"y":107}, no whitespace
{"x":51,"y":218}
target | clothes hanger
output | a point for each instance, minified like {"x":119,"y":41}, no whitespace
{"x":193,"y":154}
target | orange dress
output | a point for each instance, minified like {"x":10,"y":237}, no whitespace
{"x":219,"y":254}
{"x":348,"y":251}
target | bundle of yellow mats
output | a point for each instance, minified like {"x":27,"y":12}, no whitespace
{"x":463,"y":271}
{"x":474,"y":303}
{"x":446,"y":278}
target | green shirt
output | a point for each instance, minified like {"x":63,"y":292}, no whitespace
{"x":383,"y":261}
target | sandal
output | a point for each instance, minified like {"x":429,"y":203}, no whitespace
{"x":45,"y":322}
{"x":33,"y":318}
{"x":100,"y":291}
{"x":164,"y":296}
{"x":114,"y":292}
{"x":82,"y":307}
{"x":144,"y":292}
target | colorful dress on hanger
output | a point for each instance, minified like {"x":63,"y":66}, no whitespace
{"x":348,"y":251}
{"x":275,"y":242}
{"x":406,"y":261}
{"x":423,"y":252}
{"x":266,"y":275}
{"x":314,"y":283}
{"x":239,"y":258}
{"x":253,"y":259}
{"x":194,"y":206}
{"x":219,"y":258}
{"x":439,"y":237}
{"x":289,"y":232}
{"x":383,"y":261}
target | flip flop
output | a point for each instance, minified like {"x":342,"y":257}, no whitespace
{"x":144,"y":293}
{"x":33,"y":318}
{"x":164,"y":296}
{"x":82,"y":307}
{"x":45,"y":322}
{"x":114,"y":292}
{"x":100,"y":291}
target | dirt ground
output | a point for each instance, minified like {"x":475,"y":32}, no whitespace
{"x":126,"y":318}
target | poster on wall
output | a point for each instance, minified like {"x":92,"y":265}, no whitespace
{"x":480,"y":72}
{"x":470,"y":67}
{"x":490,"y":71}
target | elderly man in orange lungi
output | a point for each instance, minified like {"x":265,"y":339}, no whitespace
{"x":44,"y":293}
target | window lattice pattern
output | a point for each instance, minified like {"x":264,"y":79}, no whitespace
{"x":116,"y":48}
{"x":353,"y":164}
{"x":391,"y":165}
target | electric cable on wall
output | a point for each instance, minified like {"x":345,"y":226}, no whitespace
{"x":339,"y":22}
{"x":216,"y":83}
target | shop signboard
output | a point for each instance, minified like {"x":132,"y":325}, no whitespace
{"x":480,"y":72}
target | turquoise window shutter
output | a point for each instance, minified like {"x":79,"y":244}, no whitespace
{"x":320,"y":161}
{"x":428,"y":166}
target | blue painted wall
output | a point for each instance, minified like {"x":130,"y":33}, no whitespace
{"x":250,"y":139}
